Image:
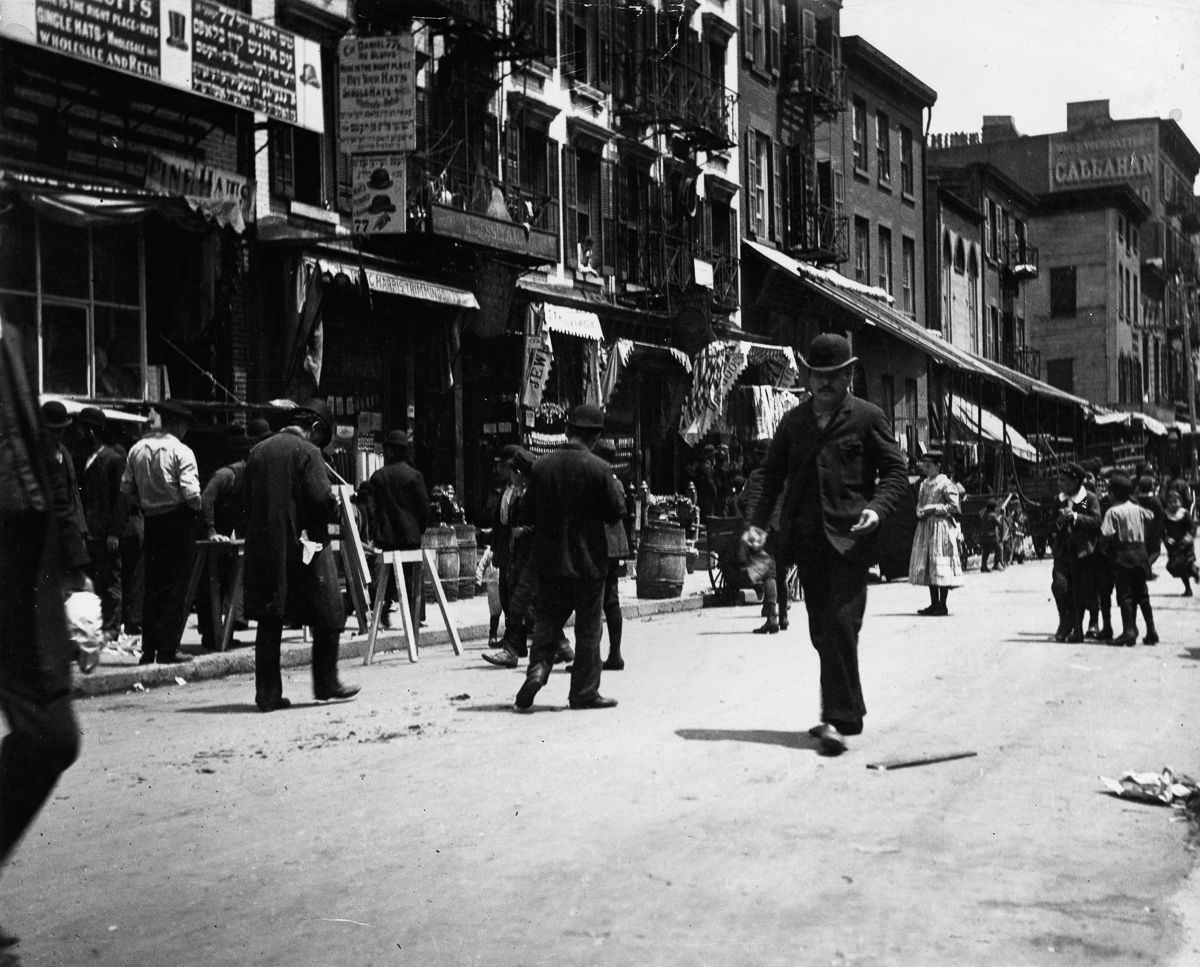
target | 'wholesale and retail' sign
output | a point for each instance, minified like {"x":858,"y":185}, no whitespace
{"x":196,"y":45}
{"x":1092,"y":158}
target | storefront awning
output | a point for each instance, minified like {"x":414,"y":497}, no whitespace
{"x":387,"y":282}
{"x":990,"y":427}
{"x":572,"y":322}
{"x":626,"y":352}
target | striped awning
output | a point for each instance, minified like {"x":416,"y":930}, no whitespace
{"x":387,"y":282}
{"x":572,"y":322}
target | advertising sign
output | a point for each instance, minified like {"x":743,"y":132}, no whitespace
{"x":378,"y":98}
{"x":380,"y":206}
{"x":1085,"y":159}
{"x":195,"y":45}
{"x":228,"y":195}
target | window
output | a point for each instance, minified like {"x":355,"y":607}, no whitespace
{"x":1120,"y":231}
{"x":92,"y":320}
{"x":537,"y":20}
{"x":885,"y":259}
{"x":993,"y":230}
{"x":906,"y":160}
{"x":973,"y":300}
{"x":1137,"y":299}
{"x":862,"y":250}
{"x":960,"y":257}
{"x":1060,"y":373}
{"x":1062,"y":291}
{"x":587,"y":30}
{"x":991,"y":334}
{"x":858,"y":111}
{"x":589,"y":234}
{"x":908,"y":274}
{"x":1121,"y":296}
{"x":295,"y":162}
{"x":887,"y":396}
{"x":759,"y":163}
{"x":531,"y":175}
{"x":883,"y":147}
{"x":947,"y":261}
{"x":634,"y":193}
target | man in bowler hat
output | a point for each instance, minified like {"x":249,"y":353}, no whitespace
{"x":398,"y":508}
{"x":289,"y":498}
{"x":106,"y":512}
{"x":162,"y":479}
{"x":569,"y":501}
{"x":844,"y":474}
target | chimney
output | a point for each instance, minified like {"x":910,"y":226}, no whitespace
{"x":1086,"y":114}
{"x":998,"y":127}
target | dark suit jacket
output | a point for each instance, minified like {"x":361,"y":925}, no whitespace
{"x":1077,"y":538}
{"x":568,"y":501}
{"x":399,"y":506}
{"x":857,"y":466}
{"x":105,"y":508}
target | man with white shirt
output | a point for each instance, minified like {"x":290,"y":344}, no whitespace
{"x":162,"y":479}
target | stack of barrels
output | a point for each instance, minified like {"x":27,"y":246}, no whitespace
{"x":456,"y":551}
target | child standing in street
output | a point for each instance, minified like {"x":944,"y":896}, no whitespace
{"x":1123,"y":536}
{"x":1179,"y":536}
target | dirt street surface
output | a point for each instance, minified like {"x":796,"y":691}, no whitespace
{"x":425,"y":824}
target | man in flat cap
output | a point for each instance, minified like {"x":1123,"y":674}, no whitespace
{"x":1076,"y":532}
{"x":844,"y":474}
{"x":568,"y":502}
{"x":162,"y":480}
{"x":106,"y":512}
{"x":290,"y":572}
{"x":398,"y":508}
{"x":58,"y":421}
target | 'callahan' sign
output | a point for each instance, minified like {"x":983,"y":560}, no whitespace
{"x":1093,"y":158}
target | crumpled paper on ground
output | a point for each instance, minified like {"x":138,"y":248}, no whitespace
{"x":1164,"y":788}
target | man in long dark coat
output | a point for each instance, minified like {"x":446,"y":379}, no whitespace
{"x":844,"y":474}
{"x":288,"y":497}
{"x":106,"y":511}
{"x":41,"y":555}
{"x":398,"y":503}
{"x":568,"y":502}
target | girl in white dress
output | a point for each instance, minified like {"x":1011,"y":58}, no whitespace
{"x":935,"y":561}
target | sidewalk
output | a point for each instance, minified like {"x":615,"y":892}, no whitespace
{"x":470,"y":616}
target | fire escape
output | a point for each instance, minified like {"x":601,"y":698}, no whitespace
{"x":812,"y":94}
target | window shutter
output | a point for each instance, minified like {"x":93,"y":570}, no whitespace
{"x":570,"y":208}
{"x":777,"y":192}
{"x":750,"y":152}
{"x":747,"y":34}
{"x":604,"y":58}
{"x":512,"y":155}
{"x":797,"y":207}
{"x":608,"y":219}
{"x":550,"y":222}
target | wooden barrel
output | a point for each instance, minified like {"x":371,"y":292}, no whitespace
{"x":447,"y":557}
{"x":662,"y":556}
{"x":434,"y":538}
{"x":468,"y":557}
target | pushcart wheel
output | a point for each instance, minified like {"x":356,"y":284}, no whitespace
{"x":794,"y":591}
{"x":716,"y":575}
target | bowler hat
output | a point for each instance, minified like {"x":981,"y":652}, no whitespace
{"x":605,"y":450}
{"x":1072,"y":470}
{"x":586,"y":417}
{"x":91,"y":416}
{"x":56,"y":415}
{"x":396,"y":438}
{"x":828,"y":353}
{"x":257,"y":429}
{"x":318,"y":408}
{"x":172,"y":408}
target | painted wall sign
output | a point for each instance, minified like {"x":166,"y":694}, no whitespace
{"x":228,"y":195}
{"x":195,"y":45}
{"x":378,"y":94}
{"x":1085,"y":159}
{"x":380,"y":205}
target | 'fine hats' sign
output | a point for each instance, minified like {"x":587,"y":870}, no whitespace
{"x":377,"y":91}
{"x":225,"y":195}
{"x":195,"y":45}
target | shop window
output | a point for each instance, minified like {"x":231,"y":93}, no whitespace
{"x":1062,"y":292}
{"x":885,"y":259}
{"x":92,"y":318}
{"x":883,"y":147}
{"x":858,"y":111}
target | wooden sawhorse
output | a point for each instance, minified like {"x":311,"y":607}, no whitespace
{"x":394,"y":559}
{"x":207,"y":553}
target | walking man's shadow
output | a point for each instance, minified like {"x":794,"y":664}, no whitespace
{"x":789,"y":740}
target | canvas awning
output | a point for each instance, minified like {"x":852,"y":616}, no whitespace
{"x":388,"y":282}
{"x":626,"y":352}
{"x":572,"y":322}
{"x":990,"y":427}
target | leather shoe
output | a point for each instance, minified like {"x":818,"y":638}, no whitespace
{"x":614,"y":664}
{"x":178,"y":658}
{"x":598,"y":702}
{"x":146,"y":659}
{"x":1150,"y":638}
{"x":1075,"y":638}
{"x":829,"y":739}
{"x":501,"y":658}
{"x":770,"y":628}
{"x":338,"y":692}
{"x":1126,"y":639}
{"x":565,"y":654}
{"x":525,"y":694}
{"x":275,"y":706}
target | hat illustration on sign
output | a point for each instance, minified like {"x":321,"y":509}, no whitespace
{"x":309,"y":76}
{"x":177,"y":29}
{"x":381,"y":204}
{"x":380,"y":180}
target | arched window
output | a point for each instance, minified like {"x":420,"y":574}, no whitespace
{"x":946,"y":295}
{"x":959,"y":257}
{"x":973,"y":297}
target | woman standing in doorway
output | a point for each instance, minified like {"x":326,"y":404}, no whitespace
{"x":935,"y":561}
